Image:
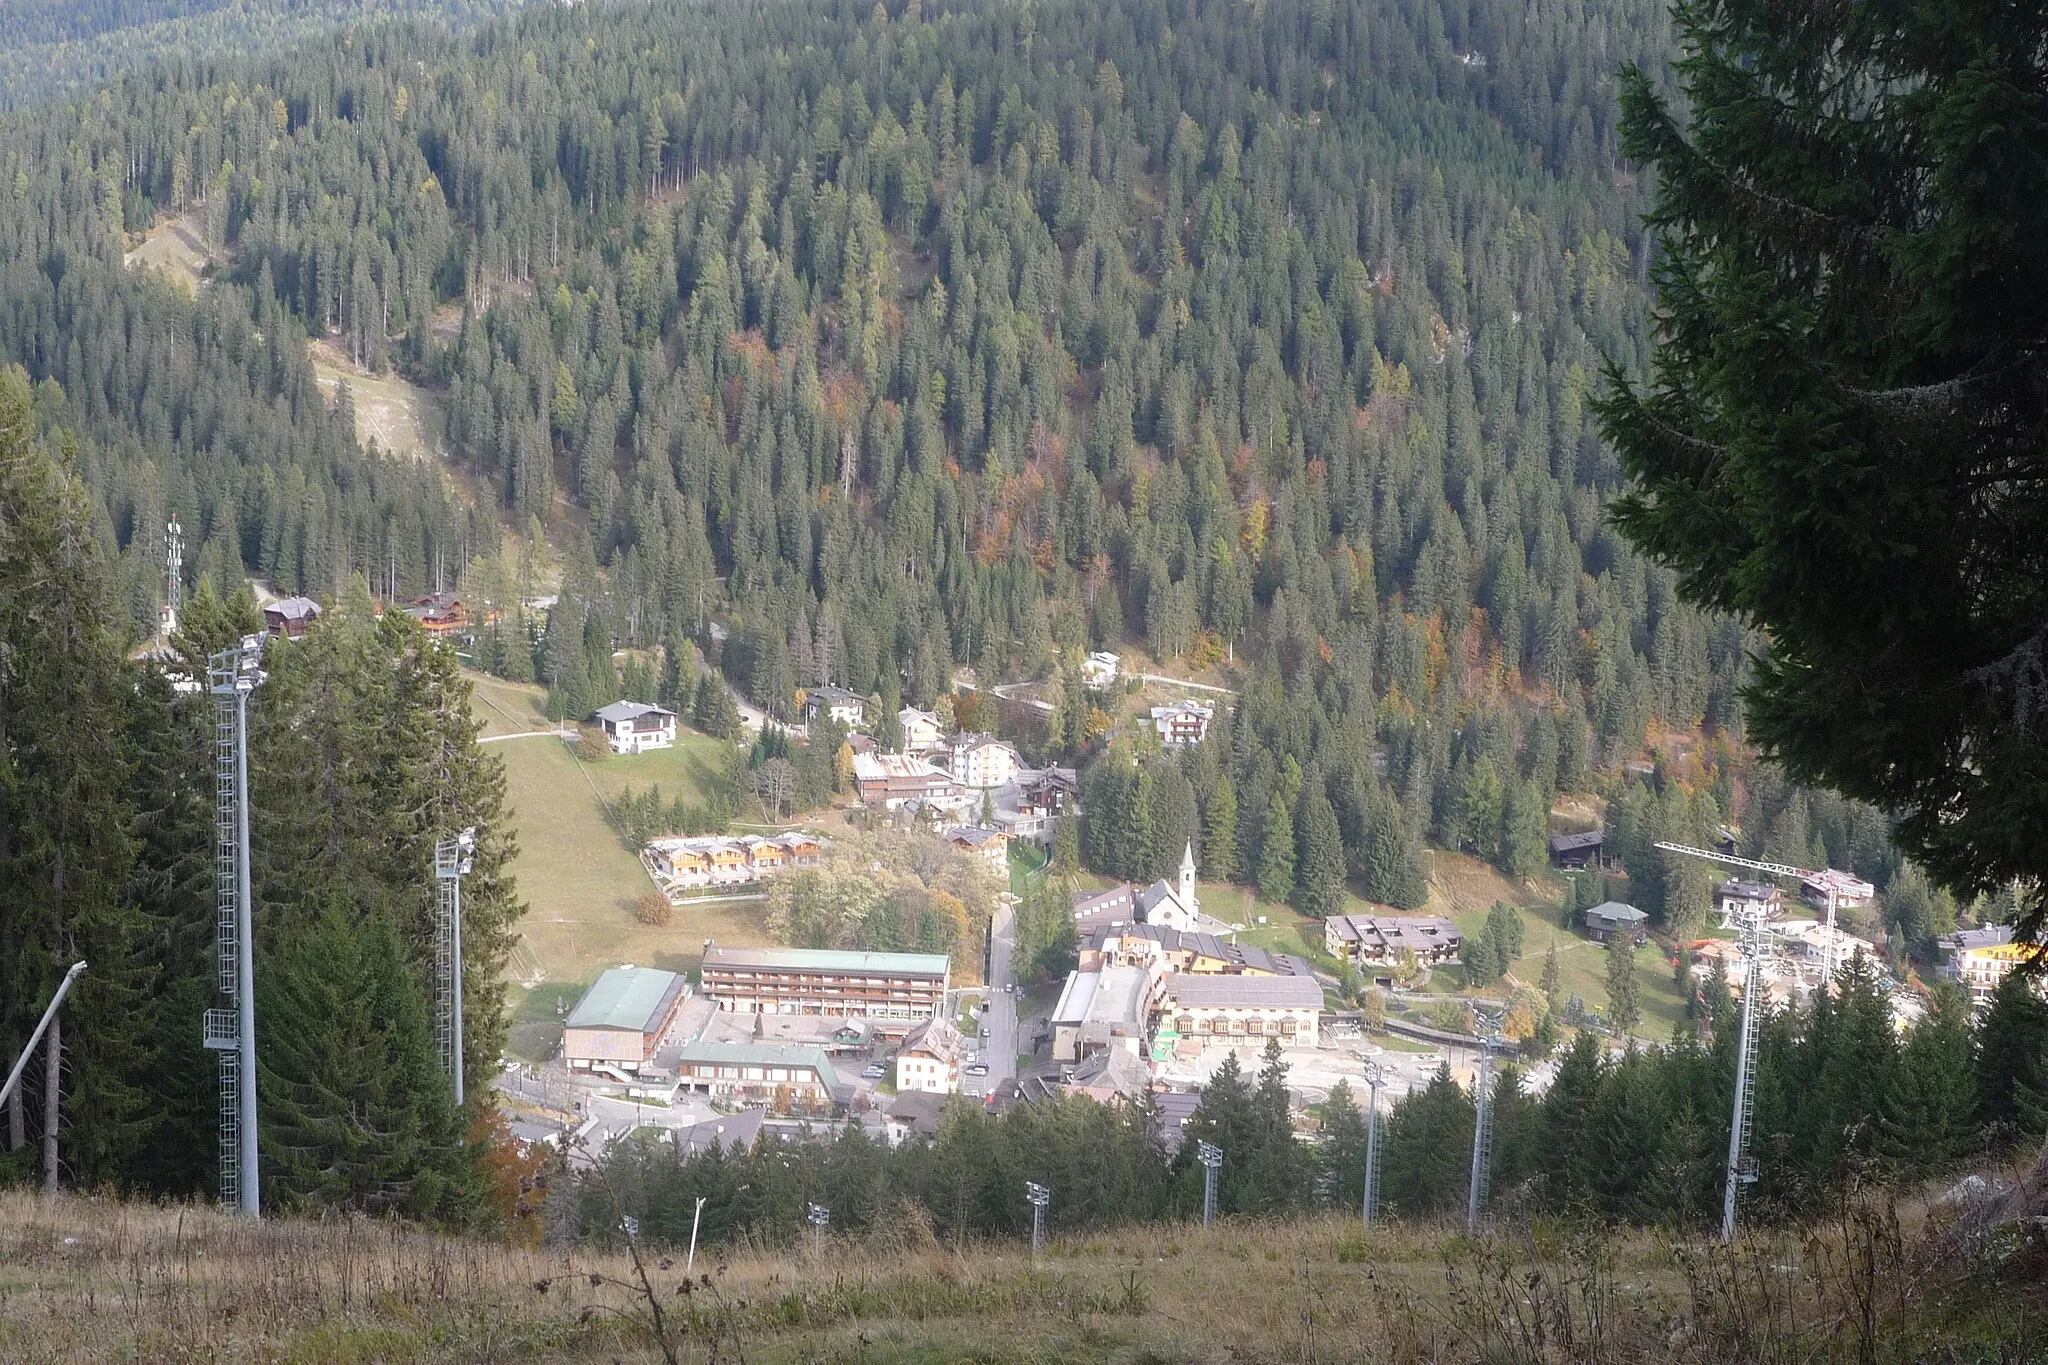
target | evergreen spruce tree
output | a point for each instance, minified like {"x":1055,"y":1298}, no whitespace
{"x":1340,"y":1158}
{"x":357,"y":1113}
{"x":1219,"y":831}
{"x":66,"y":852}
{"x":1931,"y":1110}
{"x":1319,"y":856}
{"x":1428,"y":1149}
{"x":2012,"y":1058}
{"x":1847,"y":358}
{"x":1276,"y":852}
{"x":1550,"y":981}
{"x":1568,"y":1117}
{"x":1393,"y":875}
{"x":1624,"y":1007}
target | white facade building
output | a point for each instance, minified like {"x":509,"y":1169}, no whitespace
{"x":983,"y":761}
{"x":1182,"y":722}
{"x":634,"y":727}
{"x":930,"y":1058}
{"x":921,"y":731}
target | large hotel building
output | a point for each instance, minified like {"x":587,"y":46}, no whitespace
{"x":906,"y":986}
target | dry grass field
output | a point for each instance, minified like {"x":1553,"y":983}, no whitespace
{"x":175,"y":246}
{"x":97,"y":1280}
{"x":402,"y":418}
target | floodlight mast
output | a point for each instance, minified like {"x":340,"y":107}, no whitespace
{"x":818,"y":1215}
{"x":1211,"y":1157}
{"x":174,"y":575}
{"x":1741,"y":1169}
{"x":1039,"y":1196}
{"x":1482,"y":1133}
{"x":1375,"y":1077}
{"x":233,"y":674}
{"x":453,"y":859}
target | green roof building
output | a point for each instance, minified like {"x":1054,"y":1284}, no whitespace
{"x":787,"y":1077}
{"x":623,"y":1018}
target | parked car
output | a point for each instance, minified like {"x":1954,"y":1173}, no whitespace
{"x":978,"y":1069}
{"x":874,"y":1071}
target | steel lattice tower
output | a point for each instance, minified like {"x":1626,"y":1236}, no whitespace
{"x":452,"y":860}
{"x":233,"y":674}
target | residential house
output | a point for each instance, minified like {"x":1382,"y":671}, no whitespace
{"x":1098,"y":910}
{"x":1173,"y":1110}
{"x":930,"y":1057}
{"x":1819,"y":943}
{"x":921,"y":730}
{"x":1979,"y":959}
{"x":1577,"y":850}
{"x":622,"y":1020}
{"x":634,"y":727}
{"x":1112,"y":1074}
{"x":991,"y":846}
{"x":1163,"y":949}
{"x":1609,"y":918}
{"x":787,"y":1078}
{"x":688,"y":862}
{"x":290,"y":616}
{"x":440,"y":613}
{"x":1849,"y":891}
{"x":982,"y":761}
{"x":1381,"y":939}
{"x":1099,"y":669}
{"x":914,"y":1114}
{"x":889,"y":780}
{"x":732,"y":1133}
{"x":1197,"y":1009}
{"x":1183,"y":722}
{"x":848,"y":708}
{"x":1740,"y":901}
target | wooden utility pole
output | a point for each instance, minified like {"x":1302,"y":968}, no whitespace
{"x":53,"y":1077}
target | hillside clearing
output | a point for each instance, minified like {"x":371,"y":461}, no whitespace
{"x":578,"y":878}
{"x":175,"y":245}
{"x":402,"y":418}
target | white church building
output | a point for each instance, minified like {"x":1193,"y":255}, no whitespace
{"x":1171,"y":904}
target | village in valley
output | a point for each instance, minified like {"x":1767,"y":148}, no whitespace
{"x":737,"y":1035}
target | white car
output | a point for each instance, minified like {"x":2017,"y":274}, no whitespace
{"x":978,"y":1069}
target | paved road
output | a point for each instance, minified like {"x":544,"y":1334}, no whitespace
{"x":1000,"y":1051}
{"x":528,"y":734}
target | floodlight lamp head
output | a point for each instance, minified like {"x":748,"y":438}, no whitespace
{"x":1210,"y":1154}
{"x":1038,"y":1194}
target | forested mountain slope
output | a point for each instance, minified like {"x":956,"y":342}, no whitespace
{"x":52,"y":48}
{"x":909,"y":338}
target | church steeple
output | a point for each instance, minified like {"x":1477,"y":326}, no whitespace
{"x":1187,"y":877}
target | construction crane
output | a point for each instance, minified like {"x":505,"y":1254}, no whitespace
{"x":1829,"y":881}
{"x":1742,"y":1166}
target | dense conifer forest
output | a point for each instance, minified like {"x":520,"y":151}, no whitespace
{"x":906,"y":340}
{"x":52,"y":48}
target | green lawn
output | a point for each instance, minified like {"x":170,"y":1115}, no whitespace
{"x":574,"y":871}
{"x":1581,"y":969}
